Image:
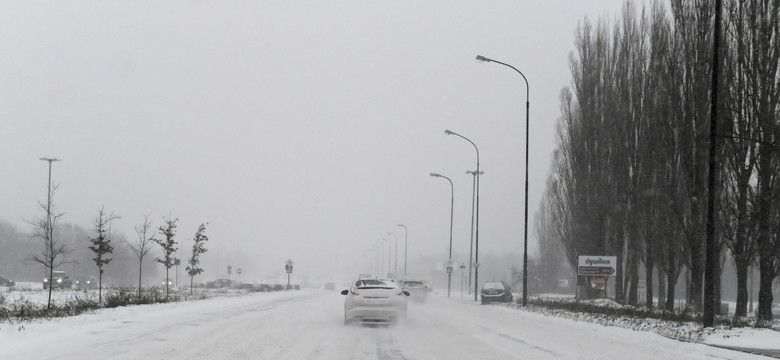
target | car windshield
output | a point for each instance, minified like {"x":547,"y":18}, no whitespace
{"x":370,"y":283}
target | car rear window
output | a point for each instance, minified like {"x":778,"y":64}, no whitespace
{"x":371,"y":283}
{"x":493,"y":286}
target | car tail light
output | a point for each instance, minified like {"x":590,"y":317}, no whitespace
{"x":425,"y":288}
{"x":354,"y":291}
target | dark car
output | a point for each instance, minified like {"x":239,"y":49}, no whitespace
{"x":218,"y":284}
{"x":60,"y":279}
{"x":85,"y":283}
{"x":4,"y":281}
{"x":496,"y":292}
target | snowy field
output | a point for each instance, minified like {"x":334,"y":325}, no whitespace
{"x":308,"y":324}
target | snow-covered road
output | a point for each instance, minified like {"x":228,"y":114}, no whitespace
{"x":308,"y":324}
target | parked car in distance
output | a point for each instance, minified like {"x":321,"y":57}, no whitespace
{"x":85,"y":283}
{"x":60,"y":279}
{"x":416,"y":289}
{"x":496,"y":292}
{"x":218,"y":284}
{"x":374,"y":302}
{"x":4,"y":281}
{"x":263,"y":286}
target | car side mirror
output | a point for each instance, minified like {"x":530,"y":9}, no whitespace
{"x":344,"y":292}
{"x":406,"y":293}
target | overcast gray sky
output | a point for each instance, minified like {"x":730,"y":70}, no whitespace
{"x":297,"y":129}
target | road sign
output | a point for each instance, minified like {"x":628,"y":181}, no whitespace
{"x":597,"y":265}
{"x":239,"y":271}
{"x":449,"y":269}
{"x":598,"y":283}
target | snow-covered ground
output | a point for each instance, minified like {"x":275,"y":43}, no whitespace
{"x":308,"y":324}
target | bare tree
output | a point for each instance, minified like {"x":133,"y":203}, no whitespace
{"x":197,"y":249}
{"x":142,"y":245}
{"x":101,"y":245}
{"x":169,"y":249}
{"x":55,"y":252}
{"x":760,"y":34}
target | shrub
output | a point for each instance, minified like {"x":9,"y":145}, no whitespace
{"x":615,"y":310}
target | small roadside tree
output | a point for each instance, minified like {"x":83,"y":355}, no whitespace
{"x":169,"y":248}
{"x":101,"y":245}
{"x":55,"y":251}
{"x":197,"y":249}
{"x":142,"y":245}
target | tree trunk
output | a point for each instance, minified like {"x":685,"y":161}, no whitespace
{"x":765,"y":296}
{"x":140,"y":269}
{"x":633,"y":274}
{"x":661,"y":286}
{"x":742,"y":293}
{"x":670,"y":284}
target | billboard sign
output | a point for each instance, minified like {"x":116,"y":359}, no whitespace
{"x":597,"y":265}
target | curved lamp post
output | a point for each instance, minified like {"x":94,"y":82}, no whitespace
{"x":475,"y":233}
{"x":525,"y":222}
{"x":406,"y":244}
{"x":452,"y":203}
{"x":473,"y":191}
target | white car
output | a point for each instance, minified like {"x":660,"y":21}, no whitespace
{"x":416,"y":289}
{"x":374,"y":302}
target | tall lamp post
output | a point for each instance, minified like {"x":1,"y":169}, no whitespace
{"x":474,"y":232}
{"x":49,"y":226}
{"x":452,"y":203}
{"x":395,"y":267}
{"x":471,"y":248}
{"x":406,"y":244}
{"x":525,"y":222}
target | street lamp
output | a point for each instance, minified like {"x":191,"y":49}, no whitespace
{"x":471,"y":247}
{"x":474,"y":233}
{"x":452,"y":203}
{"x":395,"y":268}
{"x":406,"y":245}
{"x":525,"y":222}
{"x":49,"y":226}
{"x":48,"y":194}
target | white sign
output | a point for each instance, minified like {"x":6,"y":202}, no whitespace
{"x":597,"y":265}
